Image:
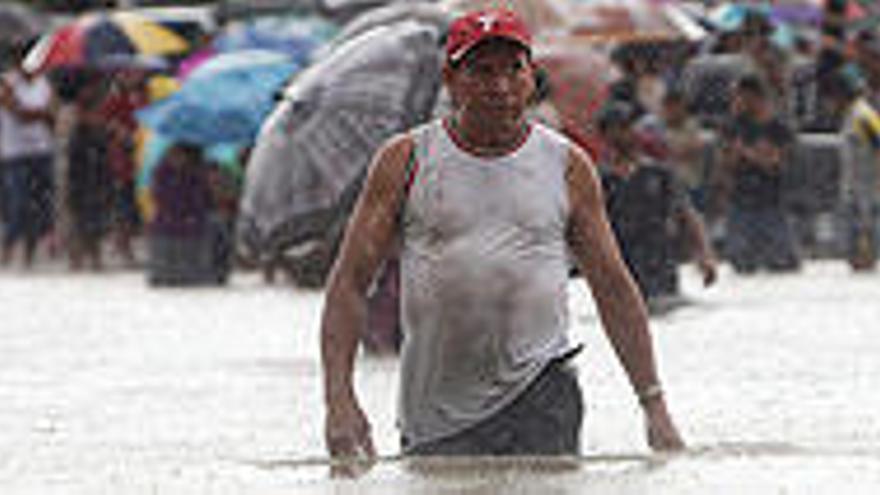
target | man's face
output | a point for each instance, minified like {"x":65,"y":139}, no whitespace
{"x":495,"y":81}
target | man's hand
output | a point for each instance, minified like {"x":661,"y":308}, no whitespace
{"x":662,"y":434}
{"x":347,"y":431}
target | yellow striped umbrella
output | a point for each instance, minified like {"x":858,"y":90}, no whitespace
{"x":93,"y":39}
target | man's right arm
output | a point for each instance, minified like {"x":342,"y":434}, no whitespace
{"x":368,"y":238}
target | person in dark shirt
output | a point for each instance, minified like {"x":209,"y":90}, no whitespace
{"x":180,"y":250}
{"x":640,"y":84}
{"x":646,"y":203}
{"x":89,"y":181}
{"x":755,"y":147}
{"x":127,"y":94}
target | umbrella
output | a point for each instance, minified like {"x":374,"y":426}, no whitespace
{"x":296,"y":36}
{"x":161,"y":86}
{"x":425,"y":13}
{"x":137,"y":61}
{"x":224,"y":100}
{"x":579,"y":78}
{"x":730,"y":17}
{"x":19,"y":23}
{"x":801,"y":14}
{"x":633,"y":21}
{"x":193,"y":60}
{"x":305,"y":168}
{"x":92,"y":37}
{"x":539,"y":15}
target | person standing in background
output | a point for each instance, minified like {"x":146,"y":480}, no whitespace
{"x":27,"y":109}
{"x":180,"y":251}
{"x":649,"y":208}
{"x":67,"y":86}
{"x":859,"y":122}
{"x":755,"y":145}
{"x":89,"y":184}
{"x":127,"y":93}
{"x":866,"y":48}
{"x":678,"y":134}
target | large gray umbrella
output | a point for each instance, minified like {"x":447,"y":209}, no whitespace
{"x":19,"y":23}
{"x":425,"y":13}
{"x":313,"y":151}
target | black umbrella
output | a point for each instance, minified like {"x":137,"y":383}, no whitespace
{"x":313,"y":151}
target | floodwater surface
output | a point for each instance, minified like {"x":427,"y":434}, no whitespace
{"x":108,"y":386}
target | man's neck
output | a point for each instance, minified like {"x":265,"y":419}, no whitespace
{"x":488,"y":138}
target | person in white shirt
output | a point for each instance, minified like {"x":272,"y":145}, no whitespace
{"x":486,"y":206}
{"x":27,"y":148}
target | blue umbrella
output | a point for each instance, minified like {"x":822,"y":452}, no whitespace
{"x":223,"y":101}
{"x":296,"y":36}
{"x":730,"y":17}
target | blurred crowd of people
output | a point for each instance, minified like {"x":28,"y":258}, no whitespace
{"x":70,"y":147}
{"x":687,"y":176}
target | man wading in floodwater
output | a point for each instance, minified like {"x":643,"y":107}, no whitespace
{"x":486,"y":207}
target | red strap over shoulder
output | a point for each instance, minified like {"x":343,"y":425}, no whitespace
{"x":412,"y":170}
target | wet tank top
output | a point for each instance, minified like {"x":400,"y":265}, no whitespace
{"x":484,"y":276}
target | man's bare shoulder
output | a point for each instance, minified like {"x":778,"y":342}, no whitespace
{"x":580,"y":165}
{"x":388,"y":170}
{"x":396,"y":149}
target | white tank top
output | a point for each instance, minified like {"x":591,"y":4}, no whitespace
{"x":20,"y":139}
{"x":484,"y":277}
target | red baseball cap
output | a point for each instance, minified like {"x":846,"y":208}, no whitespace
{"x":473,"y":28}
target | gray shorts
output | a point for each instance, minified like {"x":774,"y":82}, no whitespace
{"x":544,"y":420}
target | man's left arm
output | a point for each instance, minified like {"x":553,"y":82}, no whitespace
{"x":621,"y":307}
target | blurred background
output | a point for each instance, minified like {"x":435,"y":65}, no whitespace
{"x":283,"y":102}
